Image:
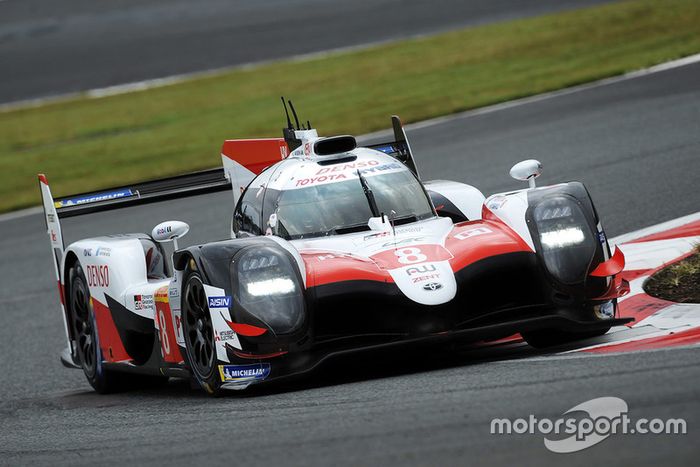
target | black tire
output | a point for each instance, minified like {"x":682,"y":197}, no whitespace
{"x":84,"y":327}
{"x":85,"y":333}
{"x":543,"y":338}
{"x":200,"y":349}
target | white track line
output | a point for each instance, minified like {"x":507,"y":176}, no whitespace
{"x":143,"y":85}
{"x":539,"y":97}
{"x":21,"y":213}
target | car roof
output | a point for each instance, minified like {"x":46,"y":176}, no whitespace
{"x":297,"y":172}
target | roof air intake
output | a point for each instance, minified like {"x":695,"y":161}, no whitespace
{"x":334,"y":145}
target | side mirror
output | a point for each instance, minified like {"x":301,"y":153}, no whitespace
{"x":527,"y":170}
{"x":170,"y":231}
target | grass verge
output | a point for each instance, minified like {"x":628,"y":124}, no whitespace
{"x":679,"y":282}
{"x":87,"y":144}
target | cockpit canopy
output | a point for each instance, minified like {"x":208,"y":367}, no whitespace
{"x":305,"y":199}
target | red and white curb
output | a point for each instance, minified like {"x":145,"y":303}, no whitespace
{"x":658,"y":323}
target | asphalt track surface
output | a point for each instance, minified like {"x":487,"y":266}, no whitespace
{"x":49,"y":47}
{"x":634,"y":143}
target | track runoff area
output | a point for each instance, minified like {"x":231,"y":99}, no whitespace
{"x":658,"y":323}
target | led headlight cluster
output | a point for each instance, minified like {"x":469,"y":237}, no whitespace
{"x":266,"y":285}
{"x":567,"y":241}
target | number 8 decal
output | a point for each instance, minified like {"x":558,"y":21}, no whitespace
{"x":163,"y":333}
{"x":410,"y":255}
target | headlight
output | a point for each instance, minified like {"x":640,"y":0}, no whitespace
{"x":277,"y":286}
{"x":567,"y":241}
{"x":266,"y":285}
{"x":561,"y":238}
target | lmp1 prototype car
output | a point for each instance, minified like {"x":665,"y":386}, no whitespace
{"x":334,"y":248}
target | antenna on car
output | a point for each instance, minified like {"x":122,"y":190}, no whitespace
{"x":289,"y":136}
{"x":294,"y":112}
{"x":286,"y":112}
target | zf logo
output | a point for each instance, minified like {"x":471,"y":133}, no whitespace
{"x":219,"y":302}
{"x":98,"y":276}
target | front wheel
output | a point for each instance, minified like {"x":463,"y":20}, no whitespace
{"x":200,"y":350}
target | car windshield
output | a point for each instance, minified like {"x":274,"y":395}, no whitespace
{"x":343,"y":207}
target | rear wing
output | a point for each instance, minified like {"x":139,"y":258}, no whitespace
{"x":181,"y":186}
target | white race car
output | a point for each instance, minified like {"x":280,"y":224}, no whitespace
{"x":334,"y":248}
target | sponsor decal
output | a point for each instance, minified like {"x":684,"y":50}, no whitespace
{"x":386,"y":149}
{"x":143,"y":302}
{"x":320,"y":179}
{"x":601,"y":237}
{"x":376,"y":235}
{"x":325,"y":257}
{"x":346,"y":167}
{"x":220,"y":302}
{"x":604,"y":310}
{"x":463,"y":235}
{"x":381,"y":168}
{"x":53,"y":236}
{"x":97,"y":275}
{"x":178,"y":327}
{"x":108,"y":195}
{"x":50,"y":218}
{"x":410,"y":229}
{"x":307,"y":149}
{"x":87,"y":252}
{"x":173,"y":291}
{"x":244,"y":373}
{"x":103,"y":251}
{"x":418,"y":279}
{"x":164,"y":230}
{"x":161,"y":295}
{"x":427,"y":272}
{"x":432,"y":286}
{"x":404,"y":241}
{"x":224,"y":336}
{"x":497,"y":202}
{"x":421,"y":269}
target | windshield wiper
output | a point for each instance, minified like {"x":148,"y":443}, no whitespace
{"x":368,"y":194}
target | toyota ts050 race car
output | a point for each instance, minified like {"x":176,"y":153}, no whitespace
{"x":334,"y":248}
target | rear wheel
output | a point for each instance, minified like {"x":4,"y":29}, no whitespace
{"x":85,"y":332}
{"x":84,"y":326}
{"x":198,"y":330}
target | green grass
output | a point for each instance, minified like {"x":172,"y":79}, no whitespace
{"x":679,"y":282}
{"x":87,"y":144}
